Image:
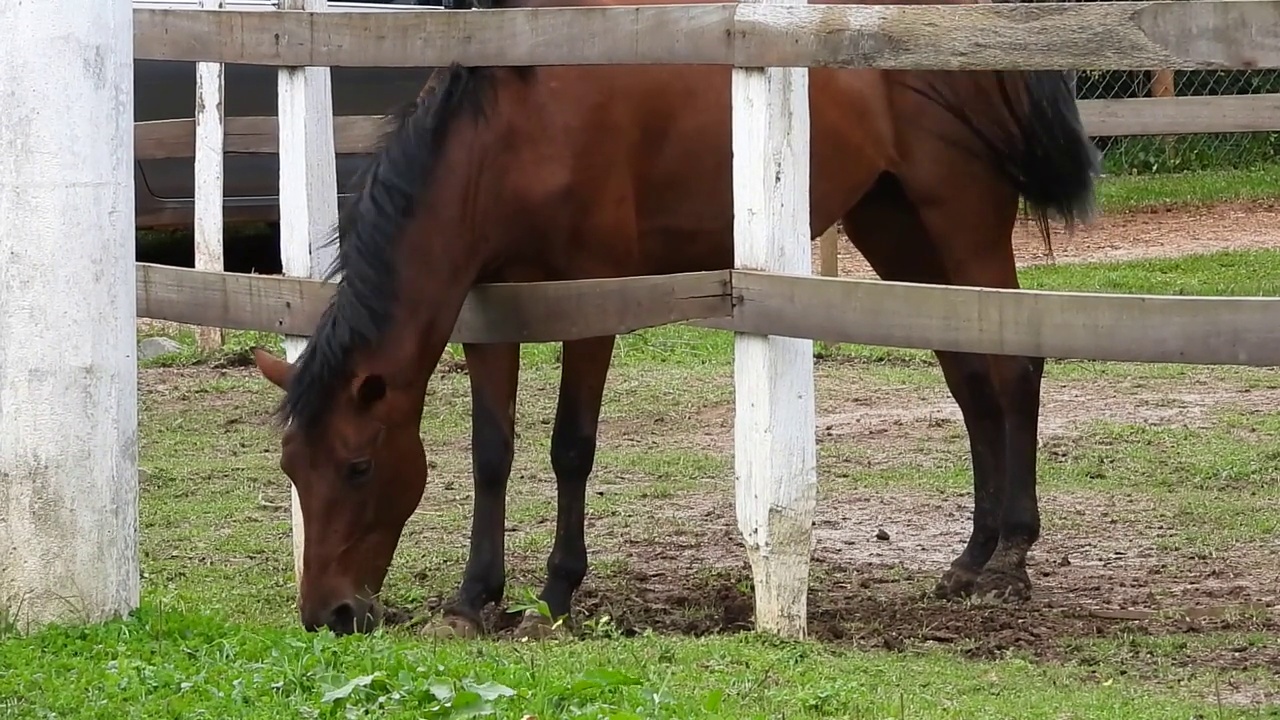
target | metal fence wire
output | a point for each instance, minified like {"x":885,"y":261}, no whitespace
{"x":1145,"y":154}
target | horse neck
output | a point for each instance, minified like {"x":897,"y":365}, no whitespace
{"x":441,"y":252}
{"x":436,"y":270}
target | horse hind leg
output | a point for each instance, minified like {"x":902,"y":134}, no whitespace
{"x":887,"y":229}
{"x":970,"y":216}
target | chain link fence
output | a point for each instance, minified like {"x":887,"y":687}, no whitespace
{"x":1146,"y":154}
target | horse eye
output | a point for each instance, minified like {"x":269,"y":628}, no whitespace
{"x":359,"y":470}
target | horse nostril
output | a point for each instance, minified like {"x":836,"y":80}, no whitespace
{"x":342,"y":619}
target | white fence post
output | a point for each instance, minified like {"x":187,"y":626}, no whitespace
{"x":774,"y":429}
{"x":208,"y":175}
{"x":308,"y":195}
{"x":68,"y":359}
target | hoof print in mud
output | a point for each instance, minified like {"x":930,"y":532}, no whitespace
{"x":451,"y":626}
{"x":535,"y":626}
{"x":1002,"y":588}
{"x":955,"y":584}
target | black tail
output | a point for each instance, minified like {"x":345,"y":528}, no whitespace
{"x":1057,"y":162}
{"x":1043,"y":149}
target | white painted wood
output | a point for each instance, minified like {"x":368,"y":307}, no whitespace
{"x":208,"y":175}
{"x":68,"y":363}
{"x":308,"y":195}
{"x":775,"y":458}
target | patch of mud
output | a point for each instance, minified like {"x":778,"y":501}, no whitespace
{"x":877,"y":555}
{"x":191,"y":386}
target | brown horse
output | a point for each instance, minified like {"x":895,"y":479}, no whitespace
{"x":557,"y":173}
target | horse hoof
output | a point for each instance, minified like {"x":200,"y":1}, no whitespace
{"x":955,"y":583}
{"x":536,"y":626}
{"x":451,"y":626}
{"x":1003,"y":587}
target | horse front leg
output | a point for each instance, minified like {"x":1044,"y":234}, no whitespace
{"x":493,"y":371}
{"x":584,"y":371}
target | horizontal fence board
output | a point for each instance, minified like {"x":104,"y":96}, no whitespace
{"x":1014,"y":36}
{"x":1181,"y":115}
{"x":1103,"y":36}
{"x":545,"y":36}
{"x":1085,"y":326}
{"x":158,"y":139}
{"x":492,"y":313}
{"x":1082,"y":326}
{"x":357,"y":134}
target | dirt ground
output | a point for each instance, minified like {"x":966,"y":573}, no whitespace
{"x":1109,"y":574}
{"x":1106,"y":567}
{"x":1161,"y":232}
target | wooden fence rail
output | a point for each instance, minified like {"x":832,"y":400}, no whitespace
{"x":1064,"y":325}
{"x":357,"y":134}
{"x":1166,"y":34}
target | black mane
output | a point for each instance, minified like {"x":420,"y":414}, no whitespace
{"x":362,"y":305}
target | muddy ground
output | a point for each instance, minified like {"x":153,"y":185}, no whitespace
{"x":1106,"y":566}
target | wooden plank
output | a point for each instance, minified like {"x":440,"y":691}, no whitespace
{"x":1162,"y":84}
{"x":308,"y":192}
{"x":1181,"y":115}
{"x":545,"y":36}
{"x":508,"y":312}
{"x":1167,"y":34}
{"x":1084,"y":326}
{"x":359,"y":134}
{"x":208,"y":166}
{"x":775,"y":453}
{"x":158,"y":139}
{"x":829,"y":259}
{"x":829,"y":252}
{"x":1009,"y":36}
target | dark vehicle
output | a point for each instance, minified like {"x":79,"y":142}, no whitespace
{"x":166,"y":90}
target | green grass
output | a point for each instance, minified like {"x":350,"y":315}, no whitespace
{"x":1233,"y":273}
{"x":1118,"y":193}
{"x":167,"y":663}
{"x":1214,"y":487}
{"x":217,"y":635}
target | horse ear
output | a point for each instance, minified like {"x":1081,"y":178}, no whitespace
{"x":368,"y":390}
{"x":278,"y":371}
